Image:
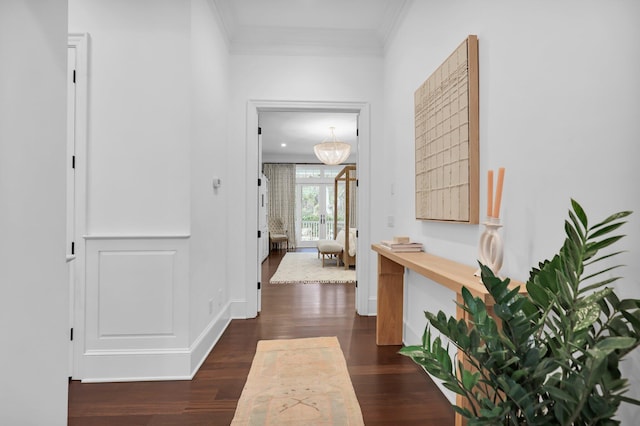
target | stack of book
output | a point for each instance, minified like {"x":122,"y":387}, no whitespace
{"x":401,"y":247}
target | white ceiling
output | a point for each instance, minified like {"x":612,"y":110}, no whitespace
{"x":300,"y":131}
{"x":307,"y":27}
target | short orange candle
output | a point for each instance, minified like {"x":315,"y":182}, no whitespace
{"x":496,"y":206}
{"x":490,"y":194}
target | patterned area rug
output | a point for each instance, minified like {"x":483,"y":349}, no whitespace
{"x":307,"y":268}
{"x":298,"y":382}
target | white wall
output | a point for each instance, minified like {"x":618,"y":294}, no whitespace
{"x":295,"y":79}
{"x":33,"y":275}
{"x":208,"y":250}
{"x":559,"y":108}
{"x":157,"y":135}
{"x":138,"y":174}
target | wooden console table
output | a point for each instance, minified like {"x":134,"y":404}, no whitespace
{"x":445,"y":272}
{"x":450,"y":274}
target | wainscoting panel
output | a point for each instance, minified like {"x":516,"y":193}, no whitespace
{"x":135,"y":293}
{"x":136,"y":308}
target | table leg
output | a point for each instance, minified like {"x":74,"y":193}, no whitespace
{"x":390,"y":302}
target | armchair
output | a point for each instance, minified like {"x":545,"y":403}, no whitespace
{"x":277,"y":233}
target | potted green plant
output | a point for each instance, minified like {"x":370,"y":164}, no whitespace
{"x":550,"y":357}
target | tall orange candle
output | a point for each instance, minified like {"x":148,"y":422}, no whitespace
{"x":490,"y":194}
{"x":496,"y":206}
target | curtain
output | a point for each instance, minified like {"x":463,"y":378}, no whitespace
{"x":282,"y":196}
{"x":353,"y":210}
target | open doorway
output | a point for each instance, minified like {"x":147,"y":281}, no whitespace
{"x":288,"y":139}
{"x":363,"y":303}
{"x":287,"y":142}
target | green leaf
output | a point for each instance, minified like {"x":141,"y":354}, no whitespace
{"x":572,"y":234}
{"x":469,"y":301}
{"x":604,"y":257}
{"x":577,"y":225}
{"x":599,"y":245}
{"x":610,"y":219}
{"x":454,"y":387}
{"x":612,"y":343}
{"x":628,"y":304}
{"x":601,"y":272}
{"x":426,"y":338}
{"x":469,"y":379}
{"x":598,"y":284}
{"x":618,"y":327}
{"x":606,"y":230}
{"x":633,"y":320}
{"x":411,"y":351}
{"x":538,"y":294}
{"x":629,"y":400}
{"x":586,"y":315}
{"x":463,"y":411}
{"x":579,"y":212}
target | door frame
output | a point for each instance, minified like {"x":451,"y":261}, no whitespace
{"x":79,"y":42}
{"x":254,"y":107}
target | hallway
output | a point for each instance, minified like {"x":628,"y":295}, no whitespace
{"x":390,"y":388}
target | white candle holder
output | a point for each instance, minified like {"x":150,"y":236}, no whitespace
{"x":491,"y":247}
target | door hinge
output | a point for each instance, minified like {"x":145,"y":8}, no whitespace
{"x":357,"y":132}
{"x":356,"y":233}
{"x":259,"y":234}
{"x":73,"y":247}
{"x":74,"y":76}
{"x":73,"y":161}
{"x":357,"y":182}
{"x":259,"y":286}
{"x":71,"y":334}
{"x":356,"y":283}
{"x":259,"y":182}
{"x":259,"y":130}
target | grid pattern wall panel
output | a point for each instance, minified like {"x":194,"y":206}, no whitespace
{"x":446,"y":136}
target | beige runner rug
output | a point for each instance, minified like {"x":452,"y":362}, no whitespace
{"x":298,"y":382}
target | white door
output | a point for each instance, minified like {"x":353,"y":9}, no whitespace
{"x":77,"y":54}
{"x":71,"y":191}
{"x":314,"y":203}
{"x":262,"y":235}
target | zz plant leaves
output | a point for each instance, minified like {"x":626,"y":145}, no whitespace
{"x":550,"y":357}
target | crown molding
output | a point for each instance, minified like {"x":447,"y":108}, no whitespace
{"x":394,"y":16}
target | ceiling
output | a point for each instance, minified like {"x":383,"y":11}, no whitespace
{"x":301,"y":130}
{"x":307,"y":27}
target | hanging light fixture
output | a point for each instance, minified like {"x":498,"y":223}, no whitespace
{"x":331,"y":151}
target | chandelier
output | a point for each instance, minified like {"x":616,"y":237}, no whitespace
{"x":331,"y":151}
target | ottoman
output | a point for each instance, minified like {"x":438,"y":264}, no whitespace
{"x":329,"y":248}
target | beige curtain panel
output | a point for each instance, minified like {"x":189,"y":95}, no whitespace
{"x":282,"y":196}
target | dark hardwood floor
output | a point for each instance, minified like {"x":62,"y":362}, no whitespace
{"x":390,"y":388}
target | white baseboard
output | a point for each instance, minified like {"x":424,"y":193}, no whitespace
{"x":411,"y":337}
{"x":203,"y":345}
{"x":372,"y":307}
{"x":154,"y":364}
{"x":133,"y":366}
{"x":238,"y":309}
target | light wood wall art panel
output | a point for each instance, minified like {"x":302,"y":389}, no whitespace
{"x":447,"y":139}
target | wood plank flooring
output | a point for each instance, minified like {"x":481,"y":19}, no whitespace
{"x":390,"y":388}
